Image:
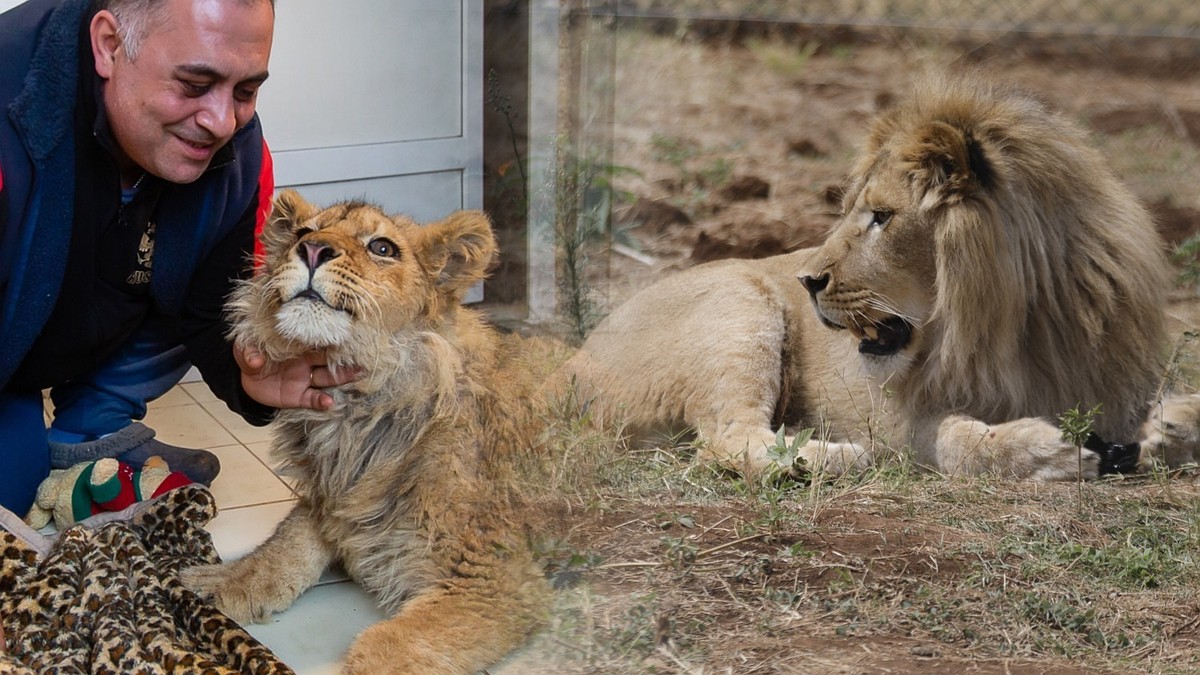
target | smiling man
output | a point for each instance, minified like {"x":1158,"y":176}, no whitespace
{"x":133,"y":179}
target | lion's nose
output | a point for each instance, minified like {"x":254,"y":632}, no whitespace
{"x":815,"y":284}
{"x":315,"y":254}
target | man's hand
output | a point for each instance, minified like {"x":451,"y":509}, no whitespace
{"x":296,"y":383}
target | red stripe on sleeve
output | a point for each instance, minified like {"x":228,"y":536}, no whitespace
{"x":266,"y":190}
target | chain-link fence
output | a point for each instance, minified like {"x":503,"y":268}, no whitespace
{"x":1140,"y":18}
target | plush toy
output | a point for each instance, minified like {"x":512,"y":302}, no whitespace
{"x":88,"y":488}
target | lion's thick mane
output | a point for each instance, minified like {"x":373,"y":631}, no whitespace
{"x":1049,"y":272}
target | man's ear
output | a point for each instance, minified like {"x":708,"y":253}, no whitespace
{"x":105,"y":42}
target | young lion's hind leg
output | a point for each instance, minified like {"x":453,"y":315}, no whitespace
{"x":458,"y":626}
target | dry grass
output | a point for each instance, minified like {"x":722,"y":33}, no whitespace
{"x":665,"y":566}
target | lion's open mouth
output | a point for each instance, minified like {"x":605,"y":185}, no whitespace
{"x":883,"y":338}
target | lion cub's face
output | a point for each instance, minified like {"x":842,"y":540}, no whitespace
{"x":349,"y":272}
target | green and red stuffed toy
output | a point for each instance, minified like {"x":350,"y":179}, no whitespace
{"x":89,"y":488}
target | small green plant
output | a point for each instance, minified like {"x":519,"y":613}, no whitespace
{"x":666,"y":521}
{"x":582,"y":190}
{"x":698,"y":170}
{"x":787,"y":454}
{"x":501,"y":103}
{"x":584,"y":194}
{"x":564,"y":565}
{"x":1076,"y":426}
{"x":680,"y":553}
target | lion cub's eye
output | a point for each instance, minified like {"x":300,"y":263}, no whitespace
{"x":384,"y":247}
{"x":303,"y":231}
{"x":880,"y":217}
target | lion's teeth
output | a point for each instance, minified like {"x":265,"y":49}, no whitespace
{"x":871,"y":332}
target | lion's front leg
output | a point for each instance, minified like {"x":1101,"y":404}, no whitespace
{"x":269,"y":579}
{"x":1026,"y":448}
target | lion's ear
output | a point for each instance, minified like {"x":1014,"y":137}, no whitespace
{"x":947,"y":162}
{"x":458,"y":250}
{"x":288,"y":210}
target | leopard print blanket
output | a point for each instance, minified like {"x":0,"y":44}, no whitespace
{"x":107,"y":598}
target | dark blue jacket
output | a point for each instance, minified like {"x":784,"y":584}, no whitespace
{"x":40,"y":43}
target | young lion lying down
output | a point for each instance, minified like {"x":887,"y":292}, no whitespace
{"x":395,"y":480}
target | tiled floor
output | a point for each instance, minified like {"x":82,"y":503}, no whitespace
{"x":313,"y":634}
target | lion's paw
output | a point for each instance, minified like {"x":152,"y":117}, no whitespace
{"x":378,"y":649}
{"x":1029,"y":448}
{"x":236,"y":590}
{"x":831,"y":458}
{"x":1047,"y":456}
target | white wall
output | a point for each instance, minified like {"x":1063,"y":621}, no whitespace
{"x":379,"y":99}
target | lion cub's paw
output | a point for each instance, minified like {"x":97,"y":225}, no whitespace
{"x":237,"y":591}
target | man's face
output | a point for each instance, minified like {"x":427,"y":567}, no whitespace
{"x":193,"y":83}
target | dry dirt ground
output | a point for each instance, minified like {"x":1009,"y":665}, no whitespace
{"x":667,"y":567}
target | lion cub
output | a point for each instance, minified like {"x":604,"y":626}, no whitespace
{"x":395,"y":480}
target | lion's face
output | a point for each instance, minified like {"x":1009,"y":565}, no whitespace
{"x":350,"y":272}
{"x":875,"y":275}
{"x":918,"y":218}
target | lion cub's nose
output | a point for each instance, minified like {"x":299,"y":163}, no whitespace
{"x":314,"y":254}
{"x":815,"y":284}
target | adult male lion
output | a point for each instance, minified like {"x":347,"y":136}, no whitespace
{"x":988,"y":274}
{"x":396,"y":481}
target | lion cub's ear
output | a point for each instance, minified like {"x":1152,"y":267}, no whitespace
{"x":457,"y":250}
{"x":288,"y":211}
{"x":948,"y":163}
